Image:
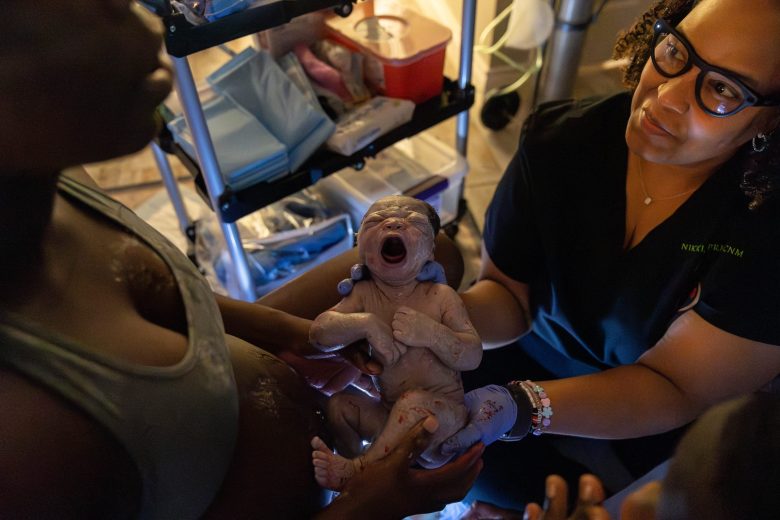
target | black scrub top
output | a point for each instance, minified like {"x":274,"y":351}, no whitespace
{"x":557,"y":223}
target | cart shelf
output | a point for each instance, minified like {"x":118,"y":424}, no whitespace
{"x":234,"y":204}
{"x":183,"y":38}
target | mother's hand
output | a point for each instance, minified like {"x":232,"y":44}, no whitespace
{"x":332,"y":372}
{"x":390,"y":488}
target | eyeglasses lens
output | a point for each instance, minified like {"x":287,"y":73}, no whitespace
{"x":671,"y":56}
{"x":717,"y":93}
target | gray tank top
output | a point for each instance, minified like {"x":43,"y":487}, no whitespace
{"x":178,"y":423}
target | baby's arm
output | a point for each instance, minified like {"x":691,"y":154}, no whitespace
{"x":345,"y":323}
{"x":454,"y":341}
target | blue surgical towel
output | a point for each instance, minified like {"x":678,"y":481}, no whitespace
{"x":256,"y":82}
{"x":216,"y":9}
{"x":247,"y":152}
{"x":268,"y":264}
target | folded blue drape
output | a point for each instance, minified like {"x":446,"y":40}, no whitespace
{"x":246,"y":151}
{"x":256,"y":82}
{"x":261,"y":125}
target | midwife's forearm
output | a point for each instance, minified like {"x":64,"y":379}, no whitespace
{"x":497,"y":315}
{"x":624,"y":402}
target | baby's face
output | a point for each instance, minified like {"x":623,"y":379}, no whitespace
{"x":396,"y":239}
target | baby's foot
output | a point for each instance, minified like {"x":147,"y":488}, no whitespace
{"x":330,"y":470}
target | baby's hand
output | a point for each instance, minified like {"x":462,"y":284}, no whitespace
{"x":383,"y":347}
{"x":414,"y":328}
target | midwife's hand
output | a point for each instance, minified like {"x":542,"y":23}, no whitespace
{"x":384,"y":348}
{"x":390,"y":488}
{"x":492,"y":413}
{"x":432,"y":271}
{"x":591,"y":494}
{"x":413,"y":328}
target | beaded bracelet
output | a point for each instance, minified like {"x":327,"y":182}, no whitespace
{"x":542,"y":418}
{"x":541,"y":406}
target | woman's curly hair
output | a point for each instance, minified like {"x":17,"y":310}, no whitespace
{"x":760,"y":170}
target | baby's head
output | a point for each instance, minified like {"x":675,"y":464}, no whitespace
{"x":396,"y":238}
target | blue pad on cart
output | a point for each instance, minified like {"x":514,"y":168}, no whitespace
{"x":246,"y":151}
{"x":216,"y":9}
{"x":256,"y":82}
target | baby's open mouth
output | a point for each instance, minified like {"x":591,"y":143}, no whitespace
{"x":393,"y":250}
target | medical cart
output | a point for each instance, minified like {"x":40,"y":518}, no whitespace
{"x":183,"y":38}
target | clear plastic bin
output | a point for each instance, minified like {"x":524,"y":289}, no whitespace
{"x":420,"y":166}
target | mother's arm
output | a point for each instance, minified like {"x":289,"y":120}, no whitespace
{"x":692,"y":367}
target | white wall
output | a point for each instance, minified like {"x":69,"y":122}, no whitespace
{"x":616,"y":16}
{"x":487,"y":73}
{"x":448,"y":12}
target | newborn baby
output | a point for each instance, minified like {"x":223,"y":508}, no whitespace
{"x":419,"y":331}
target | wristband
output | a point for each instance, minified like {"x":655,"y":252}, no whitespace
{"x":524,"y":413}
{"x":541,"y":410}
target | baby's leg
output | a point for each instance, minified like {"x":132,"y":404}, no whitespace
{"x":351,"y":418}
{"x":332,"y":471}
{"x":411,"y":408}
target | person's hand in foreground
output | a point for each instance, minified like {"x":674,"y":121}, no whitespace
{"x":589,"y":498}
{"x":390,"y":488}
{"x":492,"y":413}
{"x":591,"y":494}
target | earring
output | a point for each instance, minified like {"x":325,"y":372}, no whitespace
{"x":760,"y":142}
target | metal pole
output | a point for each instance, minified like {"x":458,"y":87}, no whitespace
{"x":468,"y":22}
{"x":172,"y":187}
{"x":565,"y":49}
{"x":207,"y":158}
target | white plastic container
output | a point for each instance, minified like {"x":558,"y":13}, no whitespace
{"x":420,"y":166}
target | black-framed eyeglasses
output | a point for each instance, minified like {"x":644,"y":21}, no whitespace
{"x":719,"y":92}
